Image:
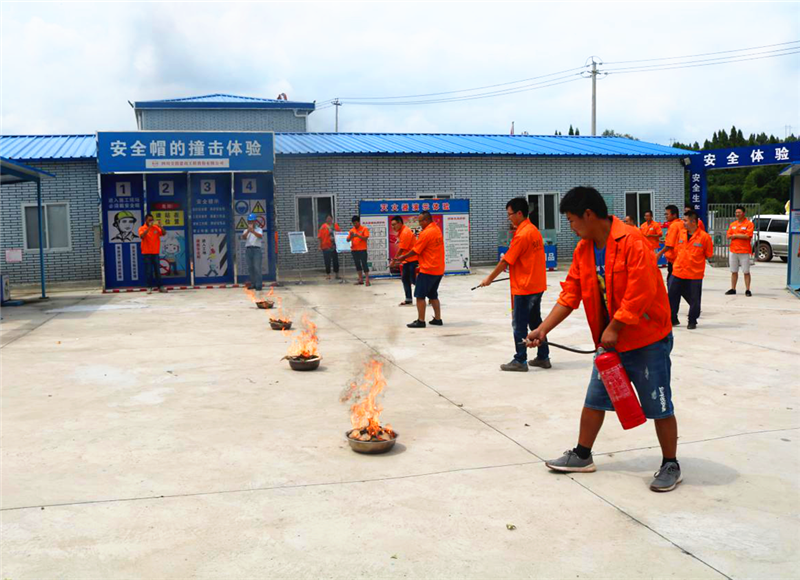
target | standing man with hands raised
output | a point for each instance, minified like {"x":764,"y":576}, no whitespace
{"x":151,"y":233}
{"x":615,"y":276}
{"x":253,"y":251}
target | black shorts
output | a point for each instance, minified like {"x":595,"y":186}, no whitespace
{"x":427,"y":286}
{"x":360,"y":258}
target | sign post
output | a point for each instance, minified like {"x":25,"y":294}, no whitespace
{"x":297,"y":245}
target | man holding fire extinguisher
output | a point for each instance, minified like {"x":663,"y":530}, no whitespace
{"x":614,"y":273}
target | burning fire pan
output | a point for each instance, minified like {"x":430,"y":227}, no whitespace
{"x":280,"y":324}
{"x":372,"y":447}
{"x":265,"y":304}
{"x":299,"y":363}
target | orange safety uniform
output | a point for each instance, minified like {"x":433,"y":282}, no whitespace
{"x":151,"y":242}
{"x":635,"y":289}
{"x":700,"y":224}
{"x":526,"y":258}
{"x":692,"y":255}
{"x":405,"y":243}
{"x":325,"y":236}
{"x":357,"y":244}
{"x":740,"y":246}
{"x":653,"y":229}
{"x":673,"y":234}
{"x":430,"y":249}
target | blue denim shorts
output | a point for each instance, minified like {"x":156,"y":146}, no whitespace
{"x":427,"y":286}
{"x":649,"y":369}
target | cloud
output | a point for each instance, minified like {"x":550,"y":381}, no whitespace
{"x":72,"y":67}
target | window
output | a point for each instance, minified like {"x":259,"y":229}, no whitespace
{"x":55,"y":222}
{"x":311,"y":212}
{"x":434,"y":196}
{"x":636,"y":203}
{"x":761,"y":224}
{"x":778,"y":225}
{"x":543,"y":210}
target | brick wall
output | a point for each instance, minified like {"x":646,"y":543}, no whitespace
{"x":222,"y":120}
{"x":75,"y":183}
{"x":488,"y":182}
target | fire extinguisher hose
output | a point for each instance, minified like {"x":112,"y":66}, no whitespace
{"x":562,"y":347}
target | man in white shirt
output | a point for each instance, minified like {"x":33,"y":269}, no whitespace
{"x":253,"y":236}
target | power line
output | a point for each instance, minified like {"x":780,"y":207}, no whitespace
{"x":510,"y":91}
{"x":705,"y":53}
{"x":467,"y":90}
{"x":744,"y":58}
{"x":720,"y":59}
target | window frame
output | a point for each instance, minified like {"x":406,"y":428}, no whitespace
{"x":785,"y":223}
{"x":556,"y":201}
{"x":315,"y":216}
{"x":45,"y":223}
{"x":436,"y":195}
{"x":639,"y":193}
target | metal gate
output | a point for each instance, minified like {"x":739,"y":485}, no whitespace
{"x":722,"y":215}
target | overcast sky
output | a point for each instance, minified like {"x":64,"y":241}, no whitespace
{"x":71,"y":68}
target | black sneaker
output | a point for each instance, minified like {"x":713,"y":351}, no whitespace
{"x":417,"y":324}
{"x":436,"y":322}
{"x":542,"y":363}
{"x":730,"y":292}
{"x":676,"y":322}
{"x":748,"y":293}
{"x":691,"y":326}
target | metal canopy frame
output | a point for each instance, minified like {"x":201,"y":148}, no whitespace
{"x":15,"y":172}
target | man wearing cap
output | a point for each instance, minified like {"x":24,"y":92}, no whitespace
{"x":253,"y":236}
{"x":151,"y":233}
{"x":124,"y":221}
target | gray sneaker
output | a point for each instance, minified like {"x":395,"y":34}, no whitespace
{"x":571,"y":463}
{"x":515,"y":366}
{"x":667,"y":477}
{"x":542,"y":363}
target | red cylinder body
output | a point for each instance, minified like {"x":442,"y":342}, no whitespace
{"x":619,"y":389}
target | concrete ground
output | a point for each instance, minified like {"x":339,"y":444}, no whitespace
{"x":162,"y":437}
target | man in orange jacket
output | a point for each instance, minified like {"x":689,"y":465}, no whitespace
{"x":674,"y":229}
{"x":651,"y":230}
{"x":327,"y":244}
{"x":614,"y":274}
{"x":151,"y":233}
{"x":694,"y":248}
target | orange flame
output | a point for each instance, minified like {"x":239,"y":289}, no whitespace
{"x":365,"y":412}
{"x":305,"y":344}
{"x":251,"y":294}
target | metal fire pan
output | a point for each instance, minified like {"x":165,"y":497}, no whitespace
{"x":370,"y":446}
{"x":300,"y":364}
{"x":278,"y":325}
{"x":265,"y":304}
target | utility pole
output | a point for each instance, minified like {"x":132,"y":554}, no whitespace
{"x":337,"y":103}
{"x":594,"y":96}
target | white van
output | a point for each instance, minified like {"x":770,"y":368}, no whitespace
{"x":773,"y":237}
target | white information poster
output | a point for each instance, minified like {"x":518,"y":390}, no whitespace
{"x":297,"y":243}
{"x":342,"y":245}
{"x":456,"y":242}
{"x":378,"y":244}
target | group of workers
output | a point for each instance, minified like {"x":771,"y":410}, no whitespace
{"x":420,"y":259}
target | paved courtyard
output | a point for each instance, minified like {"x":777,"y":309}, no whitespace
{"x":161,"y":436}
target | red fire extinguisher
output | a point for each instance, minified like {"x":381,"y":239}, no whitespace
{"x":619,"y":388}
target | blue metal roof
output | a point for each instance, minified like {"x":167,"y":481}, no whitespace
{"x":222,"y":101}
{"x":15,"y":172}
{"x":46,"y":147}
{"x":63,"y":147}
{"x":467,"y":145}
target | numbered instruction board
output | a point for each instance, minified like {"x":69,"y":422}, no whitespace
{"x":449,"y":215}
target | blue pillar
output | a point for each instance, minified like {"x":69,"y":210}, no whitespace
{"x":698,"y":187}
{"x":41,"y":235}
